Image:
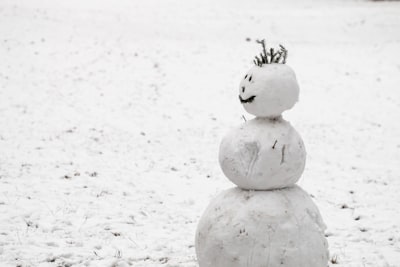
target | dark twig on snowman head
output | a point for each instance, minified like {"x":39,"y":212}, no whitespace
{"x":272,"y":56}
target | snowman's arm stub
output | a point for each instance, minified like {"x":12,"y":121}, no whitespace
{"x":273,"y":146}
{"x":283,"y":154}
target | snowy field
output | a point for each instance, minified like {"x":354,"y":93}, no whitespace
{"x":111,"y":115}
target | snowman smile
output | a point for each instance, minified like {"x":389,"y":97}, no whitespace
{"x":248,"y":100}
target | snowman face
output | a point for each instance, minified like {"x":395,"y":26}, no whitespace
{"x":268,"y":90}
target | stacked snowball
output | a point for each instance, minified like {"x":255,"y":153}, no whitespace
{"x":267,"y":220}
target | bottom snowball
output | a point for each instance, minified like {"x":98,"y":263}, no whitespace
{"x":278,"y":228}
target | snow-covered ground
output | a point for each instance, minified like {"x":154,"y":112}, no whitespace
{"x":111,"y":115}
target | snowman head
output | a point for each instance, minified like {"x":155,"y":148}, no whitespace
{"x":270,"y":87}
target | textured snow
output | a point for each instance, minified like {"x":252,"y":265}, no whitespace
{"x":263,"y":154}
{"x":262,"y":228}
{"x":111,"y":115}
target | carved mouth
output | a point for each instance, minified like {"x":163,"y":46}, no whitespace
{"x":248,"y":100}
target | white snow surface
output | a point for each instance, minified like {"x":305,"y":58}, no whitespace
{"x":111,"y":115}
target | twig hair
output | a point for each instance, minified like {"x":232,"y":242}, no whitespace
{"x":271,"y":56}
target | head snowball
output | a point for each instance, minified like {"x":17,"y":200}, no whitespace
{"x":270,"y":87}
{"x":269,"y":90}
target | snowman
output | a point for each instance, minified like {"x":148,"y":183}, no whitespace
{"x":267,"y":220}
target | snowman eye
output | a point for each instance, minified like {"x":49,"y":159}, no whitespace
{"x":245,"y":77}
{"x":250,"y":78}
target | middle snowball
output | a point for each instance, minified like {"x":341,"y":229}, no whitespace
{"x":263,"y":154}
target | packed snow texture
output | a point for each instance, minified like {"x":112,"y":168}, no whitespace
{"x":271,"y":89}
{"x":263,"y":154}
{"x":112,"y":112}
{"x":262,"y":228}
